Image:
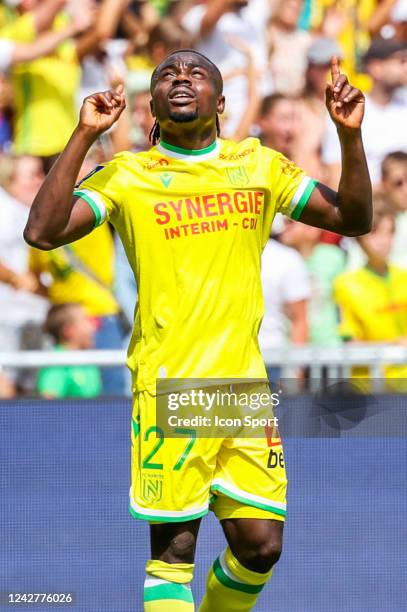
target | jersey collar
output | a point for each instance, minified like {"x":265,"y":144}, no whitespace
{"x":190,"y":155}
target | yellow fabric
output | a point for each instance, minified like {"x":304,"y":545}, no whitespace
{"x":193,"y":232}
{"x":223,"y":598}
{"x":20,"y":29}
{"x":44,"y":98}
{"x":227,"y":508}
{"x":159,"y":592}
{"x":374,"y":309}
{"x":172,"y":605}
{"x":181,"y":573}
{"x":96,"y":250}
{"x":173,"y":478}
{"x":353,"y":35}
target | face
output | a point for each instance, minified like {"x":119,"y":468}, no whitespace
{"x":80,"y":330}
{"x":279,"y":126}
{"x":27,"y":178}
{"x":289,"y":11}
{"x":391,"y":72}
{"x":380,"y":241}
{"x":185,"y":90}
{"x":317,"y":76}
{"x":297,"y":234}
{"x":395,"y":185}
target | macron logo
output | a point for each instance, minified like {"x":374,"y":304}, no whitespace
{"x":166,"y":178}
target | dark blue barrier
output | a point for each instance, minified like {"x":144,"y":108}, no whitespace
{"x":64,"y":524}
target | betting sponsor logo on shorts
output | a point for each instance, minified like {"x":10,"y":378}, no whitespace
{"x":275,"y":459}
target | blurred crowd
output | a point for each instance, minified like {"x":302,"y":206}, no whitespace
{"x":274,"y":56}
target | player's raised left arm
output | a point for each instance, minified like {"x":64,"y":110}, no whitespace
{"x":349,"y":210}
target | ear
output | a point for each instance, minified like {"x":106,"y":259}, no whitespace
{"x":220,"y":107}
{"x":152,"y":108}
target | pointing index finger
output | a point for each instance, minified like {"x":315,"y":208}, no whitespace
{"x":335,"y":71}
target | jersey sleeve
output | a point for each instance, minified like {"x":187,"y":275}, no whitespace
{"x":99,"y":189}
{"x":290,"y":187}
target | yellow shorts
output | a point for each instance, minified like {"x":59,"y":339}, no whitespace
{"x":181,"y":478}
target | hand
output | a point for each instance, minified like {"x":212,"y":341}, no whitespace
{"x":26,"y":281}
{"x":101,"y":110}
{"x":345,"y":104}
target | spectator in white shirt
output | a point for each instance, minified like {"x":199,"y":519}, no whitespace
{"x":286,"y":291}
{"x":19,"y":301}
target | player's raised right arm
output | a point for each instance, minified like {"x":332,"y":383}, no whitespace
{"x":56,"y":217}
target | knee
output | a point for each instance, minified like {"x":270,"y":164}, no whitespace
{"x":260,"y":554}
{"x":181,"y":549}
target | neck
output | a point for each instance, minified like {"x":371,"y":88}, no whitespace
{"x":70,"y":345}
{"x":378,"y":266}
{"x":186,"y":136}
{"x":306,"y":248}
{"x":283,"y":26}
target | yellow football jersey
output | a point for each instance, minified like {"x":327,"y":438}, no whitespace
{"x":44,"y":97}
{"x":18,"y":28}
{"x":193,"y":225}
{"x":374,"y":309}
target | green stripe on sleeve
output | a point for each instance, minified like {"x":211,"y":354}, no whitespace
{"x":296,"y":214}
{"x":179,"y":592}
{"x":92,"y":204}
{"x":253,"y":589}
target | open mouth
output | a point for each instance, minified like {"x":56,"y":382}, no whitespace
{"x":181,"y":95}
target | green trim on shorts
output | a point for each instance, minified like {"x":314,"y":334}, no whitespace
{"x":167,"y":519}
{"x":171,"y":590}
{"x":253,"y":589}
{"x":246,"y":501}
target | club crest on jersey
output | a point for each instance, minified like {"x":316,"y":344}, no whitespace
{"x":238,"y":176}
{"x":166,"y":178}
{"x":152,"y":489}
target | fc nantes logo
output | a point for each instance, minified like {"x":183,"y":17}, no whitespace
{"x":152,"y":489}
{"x":238,"y":176}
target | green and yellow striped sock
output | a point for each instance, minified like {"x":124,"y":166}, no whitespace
{"x":166,"y":587}
{"x":231,"y":587}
